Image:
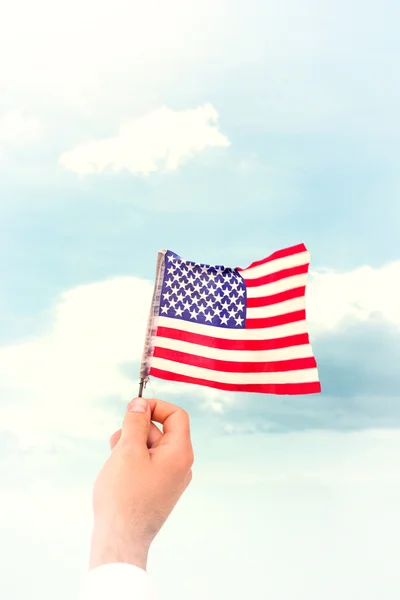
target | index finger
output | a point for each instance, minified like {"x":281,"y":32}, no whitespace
{"x":174,"y":419}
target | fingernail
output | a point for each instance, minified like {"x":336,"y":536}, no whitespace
{"x":138,"y":405}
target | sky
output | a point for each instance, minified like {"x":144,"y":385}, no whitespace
{"x":222,"y":131}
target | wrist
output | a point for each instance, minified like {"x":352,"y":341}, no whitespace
{"x":115,"y":547}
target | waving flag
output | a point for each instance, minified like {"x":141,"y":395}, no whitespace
{"x":241,"y":330}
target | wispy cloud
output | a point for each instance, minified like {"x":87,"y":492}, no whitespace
{"x":162,"y":140}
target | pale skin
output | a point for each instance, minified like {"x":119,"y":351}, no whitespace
{"x":141,"y":482}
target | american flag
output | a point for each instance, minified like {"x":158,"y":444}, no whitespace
{"x":240,"y":330}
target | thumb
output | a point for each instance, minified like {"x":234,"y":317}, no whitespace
{"x":136,"y":425}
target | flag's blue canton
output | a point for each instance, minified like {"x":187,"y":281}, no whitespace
{"x":202,"y":294}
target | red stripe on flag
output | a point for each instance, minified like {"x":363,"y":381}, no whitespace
{"x":225,"y":344}
{"x":278,"y":254}
{"x":276,"y":298}
{"x":289,"y":389}
{"x":230,"y":366}
{"x":297,"y":315}
{"x":277,"y":276}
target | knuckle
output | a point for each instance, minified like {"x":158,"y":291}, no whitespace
{"x":115,"y":436}
{"x":186,"y":459}
{"x":184,"y":414}
{"x":190,"y":457}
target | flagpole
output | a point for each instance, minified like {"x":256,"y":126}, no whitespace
{"x":141,"y":386}
{"x":154,"y":312}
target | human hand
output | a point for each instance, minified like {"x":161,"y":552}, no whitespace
{"x":140,"y":483}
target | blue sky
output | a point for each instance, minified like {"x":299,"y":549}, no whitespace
{"x":223,"y":131}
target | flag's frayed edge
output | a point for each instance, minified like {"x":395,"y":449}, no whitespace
{"x":152,"y":321}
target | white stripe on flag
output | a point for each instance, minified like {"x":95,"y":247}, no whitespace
{"x":295,"y":260}
{"x":281,"y":308}
{"x":267,"y":333}
{"x":298,"y":376}
{"x":292,"y":352}
{"x":288,"y":283}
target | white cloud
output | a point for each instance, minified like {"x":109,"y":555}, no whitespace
{"x":358,"y":294}
{"x":161,"y":140}
{"x":61,"y":377}
{"x":17,"y":130}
